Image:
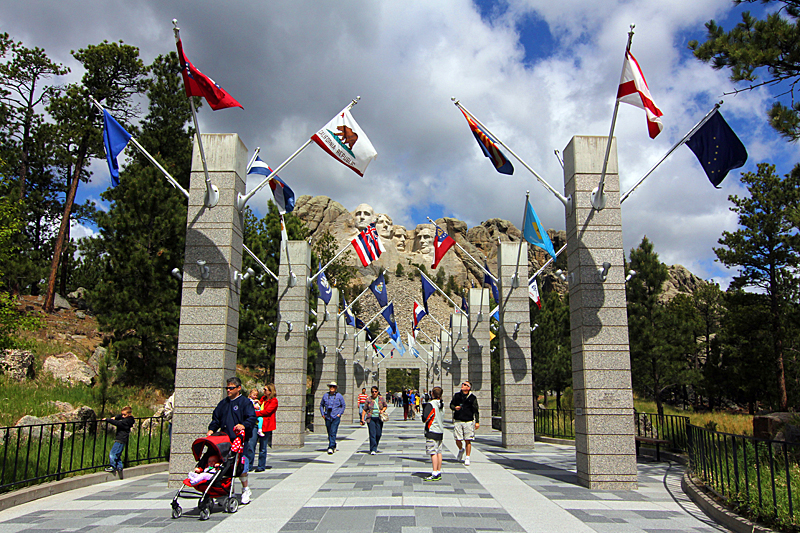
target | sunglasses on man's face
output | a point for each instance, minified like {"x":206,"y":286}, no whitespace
{"x":230,"y":388}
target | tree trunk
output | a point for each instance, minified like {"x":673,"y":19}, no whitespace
{"x":65,"y":264}
{"x":64,"y":229}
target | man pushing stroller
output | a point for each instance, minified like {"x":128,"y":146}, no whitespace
{"x":236,"y":417}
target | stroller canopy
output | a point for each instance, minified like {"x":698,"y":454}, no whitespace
{"x":220,"y":444}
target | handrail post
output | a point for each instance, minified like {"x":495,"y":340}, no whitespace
{"x":60,"y":452}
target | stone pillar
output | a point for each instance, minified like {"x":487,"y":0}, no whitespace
{"x":291,"y":347}
{"x":209,"y":322}
{"x":459,"y":368}
{"x":359,"y":380}
{"x":446,"y":349}
{"x":346,"y":366}
{"x":480,"y":362}
{"x":516,"y":375}
{"x":326,"y":368}
{"x":601,"y":375}
{"x":382,"y":377}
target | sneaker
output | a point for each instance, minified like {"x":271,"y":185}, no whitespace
{"x":460,"y":455}
{"x":330,"y":451}
{"x":437,"y":477}
{"x":372,"y":453}
{"x":466,"y":461}
{"x":259,"y":469}
{"x":246,"y":495}
{"x":119,"y":473}
{"x":110,"y":469}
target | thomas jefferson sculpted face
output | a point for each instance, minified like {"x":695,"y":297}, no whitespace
{"x":400,"y":238}
{"x":364,"y":216}
{"x":383,"y":223}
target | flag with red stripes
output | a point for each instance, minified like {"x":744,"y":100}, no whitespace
{"x":633,"y":90}
{"x":368,"y":245}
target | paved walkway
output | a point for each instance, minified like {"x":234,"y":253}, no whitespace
{"x":354,"y":492}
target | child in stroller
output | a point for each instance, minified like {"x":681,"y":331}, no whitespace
{"x":212,"y":477}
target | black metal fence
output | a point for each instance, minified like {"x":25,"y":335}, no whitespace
{"x":49,"y":452}
{"x":557,"y":423}
{"x":759,"y":478}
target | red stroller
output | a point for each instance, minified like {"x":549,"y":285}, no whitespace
{"x":220,"y":485}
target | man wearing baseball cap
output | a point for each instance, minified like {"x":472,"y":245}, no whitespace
{"x":332,"y":409}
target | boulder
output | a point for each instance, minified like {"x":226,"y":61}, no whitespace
{"x":67,"y":367}
{"x":60,"y":406}
{"x":18,"y":364}
{"x":59,"y":302}
{"x":33,"y":427}
{"x":80,"y":315}
{"x":770,"y":425}
{"x":77,"y":294}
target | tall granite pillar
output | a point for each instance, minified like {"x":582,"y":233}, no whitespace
{"x":209,"y":322}
{"x":382,"y":378}
{"x":291,"y":347}
{"x":516,"y":375}
{"x":601,"y":375}
{"x":359,"y":380}
{"x":480,"y":362}
{"x":326,"y":368}
{"x":446,"y":349}
{"x":345,"y":358}
{"x":459,"y":342}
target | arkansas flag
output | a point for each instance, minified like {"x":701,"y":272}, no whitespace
{"x":198,"y":84}
{"x":346,"y":141}
{"x":533,"y":292}
{"x":441,"y":243}
{"x":633,"y":90}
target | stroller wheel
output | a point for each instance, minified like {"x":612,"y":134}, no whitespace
{"x":177,"y":511}
{"x":232,"y":505}
{"x":205,"y":513}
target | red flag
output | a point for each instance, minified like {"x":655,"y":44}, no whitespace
{"x":198,"y":84}
{"x":441,"y":243}
{"x":633,"y":90}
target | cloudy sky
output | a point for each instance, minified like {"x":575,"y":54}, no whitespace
{"x":535,"y":72}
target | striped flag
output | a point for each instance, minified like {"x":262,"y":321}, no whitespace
{"x":419,"y":313}
{"x":489,"y":147}
{"x":283,"y":195}
{"x":368,"y":245}
{"x":633,"y":90}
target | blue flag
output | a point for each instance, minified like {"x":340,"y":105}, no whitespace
{"x":324,"y":287}
{"x":717,"y":148}
{"x":394,"y":338}
{"x":378,"y":288}
{"x":283,"y":195}
{"x":534,"y":232}
{"x":115,"y":139}
{"x":348,"y":317}
{"x":464,"y":305}
{"x":388,"y":315}
{"x":495,"y":314}
{"x":487,"y":280}
{"x":427,"y":290}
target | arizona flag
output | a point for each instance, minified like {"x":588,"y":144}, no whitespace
{"x":419,"y":313}
{"x":441,"y":243}
{"x":198,"y":84}
{"x":346,"y":141}
{"x":533,"y":292}
{"x":283,"y":195}
{"x":633,"y":90}
{"x":489,"y":147}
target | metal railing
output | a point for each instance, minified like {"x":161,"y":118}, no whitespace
{"x":50,"y":452}
{"x":556,"y":423}
{"x":757,"y":477}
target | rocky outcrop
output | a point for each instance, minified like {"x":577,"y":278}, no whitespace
{"x":679,"y":281}
{"x":17,"y":364}
{"x":67,"y":367}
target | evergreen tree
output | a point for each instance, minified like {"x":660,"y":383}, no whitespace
{"x":765,"y":249}
{"x":551,"y":345}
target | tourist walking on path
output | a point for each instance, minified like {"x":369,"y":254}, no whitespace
{"x":332,"y":409}
{"x":433,"y":419}
{"x":269,"y":404}
{"x":235,"y":415}
{"x":411,"y":400}
{"x":374,"y":407}
{"x":404,"y":399}
{"x":465,"y":420}
{"x":362,"y":399}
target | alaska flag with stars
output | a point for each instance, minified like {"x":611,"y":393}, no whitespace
{"x":717,"y":148}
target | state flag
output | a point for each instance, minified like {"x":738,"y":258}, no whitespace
{"x":397,"y":342}
{"x":441,"y":243}
{"x":419,"y":314}
{"x":464,"y":305}
{"x":427,"y":290}
{"x":115,"y":139}
{"x":487,"y":280}
{"x":633,"y":90}
{"x":717,"y":148}
{"x":198,"y":84}
{"x":489,"y":147}
{"x":349,"y":319}
{"x":368,"y":246}
{"x":534,"y":232}
{"x":388,"y":315}
{"x":378,"y":288}
{"x":344,"y":139}
{"x":325,"y":291}
{"x":533,"y":292}
{"x":282,"y":193}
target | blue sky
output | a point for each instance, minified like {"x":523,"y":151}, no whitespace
{"x":536,"y":72}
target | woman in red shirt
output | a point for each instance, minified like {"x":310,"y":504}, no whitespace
{"x":269,"y":404}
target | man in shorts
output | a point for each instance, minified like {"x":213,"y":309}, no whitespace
{"x":465,"y":420}
{"x":433,"y":417}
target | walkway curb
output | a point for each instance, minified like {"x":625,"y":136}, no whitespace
{"x":28,"y":494}
{"x":717,"y":512}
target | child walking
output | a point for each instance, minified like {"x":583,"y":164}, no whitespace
{"x":124,"y":422}
{"x":432,"y":416}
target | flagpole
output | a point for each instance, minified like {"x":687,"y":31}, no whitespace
{"x":350,"y":306}
{"x":515,"y":279}
{"x":440,"y":324}
{"x":598,"y":195}
{"x":371,"y":320}
{"x":550,"y":260}
{"x":242,"y":200}
{"x":437,"y":288}
{"x":285,"y":239}
{"x":340,"y":252}
{"x":480,"y":309}
{"x":260,"y":263}
{"x":145,"y":153}
{"x":252,"y":160}
{"x":566,"y":201}
{"x":212,"y":193}
{"x":466,"y":252}
{"x":675,"y":147}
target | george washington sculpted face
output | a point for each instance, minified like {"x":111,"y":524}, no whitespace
{"x":364,"y":215}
